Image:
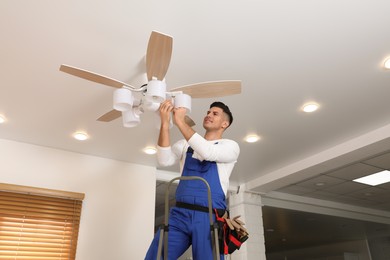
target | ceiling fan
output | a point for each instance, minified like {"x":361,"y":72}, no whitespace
{"x":130,"y":102}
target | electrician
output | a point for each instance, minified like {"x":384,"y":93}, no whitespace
{"x":210,"y":157}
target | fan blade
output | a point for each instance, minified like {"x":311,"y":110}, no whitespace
{"x":88,"y":75}
{"x":189,"y":121}
{"x":211,"y":89}
{"x":109,"y":116}
{"x":158,"y":55}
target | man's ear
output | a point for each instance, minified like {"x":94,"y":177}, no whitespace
{"x":225,"y":124}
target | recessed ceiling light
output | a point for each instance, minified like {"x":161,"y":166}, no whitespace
{"x":375,"y":179}
{"x":310,"y":107}
{"x":150,"y":150}
{"x":2,"y":119}
{"x":81,"y":136}
{"x":387,"y":64}
{"x":252,"y":138}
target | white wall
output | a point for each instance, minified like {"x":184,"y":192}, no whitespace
{"x":117,"y":218}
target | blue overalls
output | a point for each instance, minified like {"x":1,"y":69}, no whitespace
{"x":191,"y":227}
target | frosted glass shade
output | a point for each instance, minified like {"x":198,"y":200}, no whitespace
{"x":130,"y":118}
{"x":156,"y":91}
{"x":183,"y":100}
{"x":123,"y":99}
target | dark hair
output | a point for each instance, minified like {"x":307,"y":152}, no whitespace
{"x":225,"y":109}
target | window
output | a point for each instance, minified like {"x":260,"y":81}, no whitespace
{"x":38,"y":223}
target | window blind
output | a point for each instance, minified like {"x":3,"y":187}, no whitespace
{"x":38,"y":227}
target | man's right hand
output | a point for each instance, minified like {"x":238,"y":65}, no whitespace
{"x":166,"y":107}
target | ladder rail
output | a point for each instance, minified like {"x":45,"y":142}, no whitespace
{"x":213,"y":228}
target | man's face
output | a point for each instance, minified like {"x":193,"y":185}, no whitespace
{"x":215,"y":119}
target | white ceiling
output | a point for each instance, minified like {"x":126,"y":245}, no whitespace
{"x":285,"y":52}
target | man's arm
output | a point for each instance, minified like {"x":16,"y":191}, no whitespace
{"x":226,"y":151}
{"x":186,"y":130}
{"x":166,"y":108}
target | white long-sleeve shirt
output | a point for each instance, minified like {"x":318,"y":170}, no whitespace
{"x":223,"y":151}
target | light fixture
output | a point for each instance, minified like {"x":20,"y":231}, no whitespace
{"x":252,"y":138}
{"x":310,"y":107}
{"x":123,"y":99}
{"x":375,"y":179}
{"x":150,"y":150}
{"x":2,"y":119}
{"x":81,"y":136}
{"x":150,"y":105}
{"x":131,"y":107}
{"x":131,"y":118}
{"x":156,"y":91}
{"x":183,"y":100}
{"x":387,"y":64}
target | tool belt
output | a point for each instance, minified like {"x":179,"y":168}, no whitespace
{"x":231,"y":232}
{"x":198,"y":208}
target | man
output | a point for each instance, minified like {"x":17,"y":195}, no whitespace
{"x":209,"y":157}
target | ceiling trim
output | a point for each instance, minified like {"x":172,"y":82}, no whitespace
{"x":356,"y":149}
{"x":300,"y":203}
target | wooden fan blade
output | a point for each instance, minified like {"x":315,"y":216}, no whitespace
{"x":91,"y":76}
{"x":211,"y":89}
{"x":109,"y":116}
{"x":158,"y":55}
{"x":189,"y":121}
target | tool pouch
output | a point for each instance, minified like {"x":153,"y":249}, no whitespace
{"x":231,"y":233}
